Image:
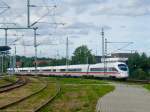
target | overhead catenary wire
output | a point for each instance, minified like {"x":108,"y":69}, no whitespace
{"x":5,"y":7}
{"x":38,"y":20}
{"x":48,"y":7}
{"x":121,"y":48}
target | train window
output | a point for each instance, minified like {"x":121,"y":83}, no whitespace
{"x":123,"y":67}
{"x":34,"y":70}
{"x":24,"y":70}
{"x":47,"y":70}
{"x":54,"y":70}
{"x":97,"y":69}
{"x":62,"y":70}
{"x":74,"y":70}
{"x":112,"y":69}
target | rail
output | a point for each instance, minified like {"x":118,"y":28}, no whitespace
{"x":139,"y":81}
{"x":10,"y":84}
{"x":50,"y":99}
{"x":22,"y":99}
{"x":20,"y":82}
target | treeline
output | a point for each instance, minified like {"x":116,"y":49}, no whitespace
{"x":139,"y":66}
{"x":82,"y":55}
{"x":30,"y":62}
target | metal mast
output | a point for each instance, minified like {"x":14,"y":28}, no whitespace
{"x":105,"y":55}
{"x":103,"y":49}
{"x":14,"y":61}
{"x":28,"y":13}
{"x":103,"y":42}
{"x":67,"y":53}
{"x":35,"y":48}
{"x":6,"y":36}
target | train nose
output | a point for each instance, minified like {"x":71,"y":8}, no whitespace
{"x":125,"y":74}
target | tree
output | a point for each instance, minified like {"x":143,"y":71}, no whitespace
{"x":139,"y":66}
{"x":139,"y":74}
{"x":57,"y":62}
{"x":144,"y":62}
{"x":82,"y":55}
{"x":134,"y":62}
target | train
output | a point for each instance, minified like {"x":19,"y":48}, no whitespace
{"x":118,"y":70}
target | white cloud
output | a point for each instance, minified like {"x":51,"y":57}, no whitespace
{"x":122,"y":20}
{"x":127,"y":8}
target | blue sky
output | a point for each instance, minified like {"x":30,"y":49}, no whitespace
{"x":123,"y":21}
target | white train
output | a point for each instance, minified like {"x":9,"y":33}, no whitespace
{"x":115,"y":70}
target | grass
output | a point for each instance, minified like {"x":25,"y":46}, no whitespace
{"x":35,"y":101}
{"x":78,"y":81}
{"x":10,"y":78}
{"x":78,"y":97}
{"x":7,"y":80}
{"x":147,"y":86}
{"x":16,"y":94}
{"x":4,"y":82}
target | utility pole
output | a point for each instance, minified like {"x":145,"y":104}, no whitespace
{"x":103,"y":49}
{"x":87,"y":60}
{"x":14,"y":60}
{"x":67,"y":53}
{"x":105,"y":55}
{"x":6,"y":36}
{"x":2,"y":65}
{"x":103,"y":43}
{"x":35,"y":48}
{"x":28,"y":13}
{"x":4,"y":55}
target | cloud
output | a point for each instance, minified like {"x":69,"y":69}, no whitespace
{"x":67,"y":32}
{"x":83,"y":18}
{"x":81,"y":6}
{"x":86,"y":2}
{"x":127,"y":8}
{"x":86,"y":26}
{"x":18,"y":11}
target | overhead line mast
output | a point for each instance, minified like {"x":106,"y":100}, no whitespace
{"x":28,"y":13}
{"x":35,"y":47}
{"x":28,"y":26}
{"x":103,"y":42}
{"x":104,"y":48}
{"x":67,"y":53}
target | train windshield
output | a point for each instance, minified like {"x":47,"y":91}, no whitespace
{"x":123,"y":67}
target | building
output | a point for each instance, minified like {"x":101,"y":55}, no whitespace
{"x":18,"y":64}
{"x":98,"y":59}
{"x":41,"y":62}
{"x":121,"y":55}
{"x":115,"y":57}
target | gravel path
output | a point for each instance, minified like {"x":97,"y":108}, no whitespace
{"x":125,"y":98}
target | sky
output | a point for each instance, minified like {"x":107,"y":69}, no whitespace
{"x":79,"y":20}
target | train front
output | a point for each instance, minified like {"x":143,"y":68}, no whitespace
{"x":122,"y":69}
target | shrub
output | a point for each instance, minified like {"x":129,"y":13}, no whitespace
{"x":139,"y":74}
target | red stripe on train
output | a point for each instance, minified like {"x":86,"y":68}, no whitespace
{"x":81,"y":73}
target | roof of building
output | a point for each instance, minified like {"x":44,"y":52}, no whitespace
{"x":4,"y":48}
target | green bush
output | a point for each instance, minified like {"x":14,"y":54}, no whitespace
{"x":139,"y":74}
{"x":139,"y":66}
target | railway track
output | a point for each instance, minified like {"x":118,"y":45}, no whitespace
{"x":50,"y":99}
{"x":23,"y":99}
{"x":8,"y":84}
{"x":36,"y":108}
{"x":133,"y":81}
{"x":139,"y":81}
{"x":20,"y":82}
